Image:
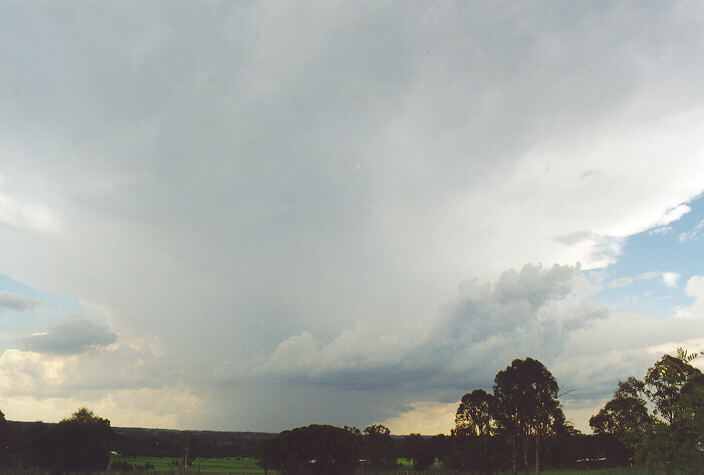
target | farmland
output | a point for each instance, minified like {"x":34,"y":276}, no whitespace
{"x":215,"y":465}
{"x":249,"y":466}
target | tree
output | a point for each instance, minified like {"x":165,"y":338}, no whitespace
{"x":664,"y":381}
{"x":624,"y":417}
{"x":378,"y":446}
{"x":357,"y":433}
{"x":475,"y":417}
{"x":527,"y":405}
{"x":81,"y":442}
{"x":267,"y":455}
{"x":475,"y":414}
{"x":420,"y":449}
{"x":674,"y":433}
{"x":3,"y":441}
{"x":676,"y":389}
{"x":314,"y":450}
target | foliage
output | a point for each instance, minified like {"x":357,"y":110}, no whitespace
{"x":420,"y":449}
{"x":526,"y":405}
{"x":378,"y":447}
{"x":673,"y":434}
{"x":80,"y":442}
{"x":664,"y":381}
{"x":625,"y":417}
{"x":315,"y":449}
{"x":475,"y":414}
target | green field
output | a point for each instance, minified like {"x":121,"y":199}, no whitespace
{"x":248,"y":465}
{"x":233,"y":465}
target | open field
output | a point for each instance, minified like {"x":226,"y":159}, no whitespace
{"x":248,"y":466}
{"x":235,"y":465}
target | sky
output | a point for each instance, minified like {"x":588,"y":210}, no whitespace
{"x":262,"y":215}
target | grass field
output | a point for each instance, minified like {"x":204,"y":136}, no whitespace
{"x":247,"y":465}
{"x":235,"y":465}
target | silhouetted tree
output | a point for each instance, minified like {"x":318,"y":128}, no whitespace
{"x":80,"y":442}
{"x":476,"y":418}
{"x":378,"y":447}
{"x":267,"y":455}
{"x":315,"y":450}
{"x":420,"y":449}
{"x":475,"y":414}
{"x":357,"y":433}
{"x":625,"y":416}
{"x":527,"y":405}
{"x":4,"y":455}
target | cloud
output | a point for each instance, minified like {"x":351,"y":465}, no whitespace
{"x":96,"y":370}
{"x":670,"y":278}
{"x":649,"y":275}
{"x":589,"y":173}
{"x":620,"y":282}
{"x":311,"y":211}
{"x":661,"y":230}
{"x":532,"y":312}
{"x":30,"y":216}
{"x":17,"y":302}
{"x":489,"y":322}
{"x":434,"y":417}
{"x":71,"y":336}
{"x":693,"y":234}
{"x":160,"y":407}
{"x":673,"y":215}
{"x":599,"y":250}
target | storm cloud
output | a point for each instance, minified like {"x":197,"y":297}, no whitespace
{"x":280,"y":201}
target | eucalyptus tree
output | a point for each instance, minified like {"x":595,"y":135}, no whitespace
{"x":527,"y":405}
{"x":475,"y":414}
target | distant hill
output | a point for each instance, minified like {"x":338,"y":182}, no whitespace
{"x":170,"y":443}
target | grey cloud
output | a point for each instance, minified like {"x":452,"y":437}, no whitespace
{"x":521,"y":313}
{"x":72,"y":336}
{"x":17,"y":302}
{"x":232,"y":175}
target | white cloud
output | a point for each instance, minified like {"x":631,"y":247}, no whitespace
{"x":427,"y":417}
{"x":693,"y":234}
{"x":670,"y":278}
{"x":661,"y":230}
{"x":160,"y":407}
{"x":649,"y":275}
{"x":695,"y":286}
{"x":672,"y":215}
{"x":30,"y":216}
{"x":621,"y":282}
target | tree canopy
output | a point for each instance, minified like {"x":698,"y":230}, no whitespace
{"x":80,"y":442}
{"x":672,"y":433}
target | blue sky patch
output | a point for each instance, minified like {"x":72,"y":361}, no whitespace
{"x":651,"y":274}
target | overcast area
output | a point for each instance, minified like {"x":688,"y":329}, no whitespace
{"x":256,"y":216}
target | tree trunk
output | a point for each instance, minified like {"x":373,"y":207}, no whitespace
{"x":537,"y":453}
{"x":525,"y":455}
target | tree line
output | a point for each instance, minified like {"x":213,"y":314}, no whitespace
{"x":77,"y":443}
{"x":659,"y":419}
